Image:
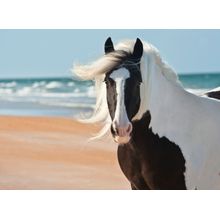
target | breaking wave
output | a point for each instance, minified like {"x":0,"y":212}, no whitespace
{"x":57,"y":92}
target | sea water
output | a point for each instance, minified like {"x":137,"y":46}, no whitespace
{"x":69,"y":97}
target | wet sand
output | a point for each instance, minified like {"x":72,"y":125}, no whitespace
{"x":54,"y":153}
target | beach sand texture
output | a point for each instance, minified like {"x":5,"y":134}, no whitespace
{"x":54,"y":153}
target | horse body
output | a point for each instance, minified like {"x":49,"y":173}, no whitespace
{"x":168,"y":138}
{"x":192,"y":123}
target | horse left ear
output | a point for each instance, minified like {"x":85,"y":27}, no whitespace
{"x":138,"y":50}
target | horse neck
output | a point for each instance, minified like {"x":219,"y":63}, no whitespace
{"x":160,"y":93}
{"x":163,"y":92}
{"x":157,"y":92}
{"x":168,"y":103}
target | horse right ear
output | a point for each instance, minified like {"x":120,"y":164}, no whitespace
{"x":138,"y":50}
{"x":109,"y":47}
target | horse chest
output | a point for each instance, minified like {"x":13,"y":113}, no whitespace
{"x":151,"y":162}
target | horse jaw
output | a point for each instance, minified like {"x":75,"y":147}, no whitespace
{"x":122,"y":140}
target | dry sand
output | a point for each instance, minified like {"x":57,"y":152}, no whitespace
{"x":54,"y":153}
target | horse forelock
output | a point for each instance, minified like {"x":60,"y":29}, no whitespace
{"x":103,"y":65}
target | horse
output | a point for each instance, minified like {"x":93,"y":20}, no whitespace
{"x":167,"y":137}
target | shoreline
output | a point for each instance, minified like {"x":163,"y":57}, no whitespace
{"x":35,"y":109}
{"x":54,"y":153}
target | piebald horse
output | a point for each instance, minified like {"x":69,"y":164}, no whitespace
{"x":167,"y":137}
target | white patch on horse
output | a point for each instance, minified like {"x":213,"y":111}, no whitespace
{"x":192,"y":123}
{"x":120,"y":76}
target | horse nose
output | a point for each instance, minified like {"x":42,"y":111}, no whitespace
{"x":122,"y":130}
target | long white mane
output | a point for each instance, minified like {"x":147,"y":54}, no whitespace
{"x":96,"y":71}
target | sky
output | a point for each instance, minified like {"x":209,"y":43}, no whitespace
{"x":51,"y":53}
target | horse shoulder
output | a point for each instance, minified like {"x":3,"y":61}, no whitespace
{"x":162,"y":164}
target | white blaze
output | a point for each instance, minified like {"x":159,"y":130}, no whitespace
{"x":120,"y":76}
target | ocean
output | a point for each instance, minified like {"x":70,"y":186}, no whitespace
{"x":67,"y":97}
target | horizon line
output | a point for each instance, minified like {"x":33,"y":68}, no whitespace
{"x":73,"y":77}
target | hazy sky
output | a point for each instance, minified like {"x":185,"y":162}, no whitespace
{"x":37,"y":53}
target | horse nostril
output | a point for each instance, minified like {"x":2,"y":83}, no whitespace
{"x":114,"y":127}
{"x":129,"y":129}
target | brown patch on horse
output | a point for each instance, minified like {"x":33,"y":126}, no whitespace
{"x":213,"y":94}
{"x":151,"y":162}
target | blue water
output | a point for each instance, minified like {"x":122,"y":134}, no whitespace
{"x":68,"y":97}
{"x":200,"y":81}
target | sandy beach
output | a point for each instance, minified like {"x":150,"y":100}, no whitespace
{"x":54,"y":153}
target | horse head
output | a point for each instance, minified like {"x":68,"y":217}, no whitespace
{"x":123,"y":90}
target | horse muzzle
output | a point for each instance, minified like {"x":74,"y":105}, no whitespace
{"x":121,"y":134}
{"x":122,"y":140}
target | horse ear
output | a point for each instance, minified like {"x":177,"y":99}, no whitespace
{"x":109,"y":47}
{"x":138,"y":50}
